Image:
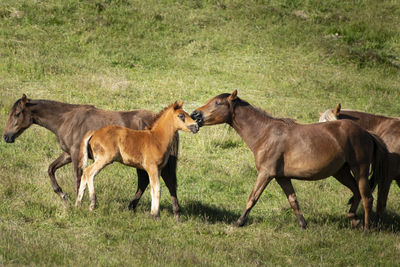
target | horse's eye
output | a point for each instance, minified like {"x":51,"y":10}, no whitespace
{"x":217,"y":103}
{"x":16,"y":115}
{"x":182,"y":117}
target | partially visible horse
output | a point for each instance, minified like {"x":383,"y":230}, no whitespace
{"x":284,"y":150}
{"x":70,"y":123}
{"x":146,"y":149}
{"x":387,"y":128}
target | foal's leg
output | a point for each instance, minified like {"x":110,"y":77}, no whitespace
{"x":155,"y":191}
{"x":62,"y":160}
{"x":344,"y":177}
{"x":262,"y":181}
{"x":168,"y":174}
{"x":286,"y":185}
{"x":143,"y":182}
{"x":87,"y":179}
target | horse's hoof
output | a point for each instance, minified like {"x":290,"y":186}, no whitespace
{"x":177,"y":218}
{"x":156,"y":217}
{"x":302,"y":221}
{"x":239,"y":223}
{"x":92,"y":207}
{"x":78,"y":204}
{"x":65,"y":197}
{"x":303,"y":225}
{"x":132,"y":205}
{"x":356,"y":224}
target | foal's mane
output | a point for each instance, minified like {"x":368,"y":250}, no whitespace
{"x":156,"y":117}
{"x":263,"y":114}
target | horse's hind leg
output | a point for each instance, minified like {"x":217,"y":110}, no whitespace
{"x":143,"y":182}
{"x":62,"y":160}
{"x":365,"y":193}
{"x":261,"y":182}
{"x":287,"y":187}
{"x":168,"y":174}
{"x":344,"y":177}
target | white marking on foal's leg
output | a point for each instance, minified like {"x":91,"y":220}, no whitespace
{"x":155,"y":199}
{"x":155,"y":191}
{"x":81,"y":191}
{"x":92,"y":194}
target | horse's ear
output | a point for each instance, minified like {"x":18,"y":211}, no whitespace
{"x":23,"y":99}
{"x":320,"y":113}
{"x":178,"y":105}
{"x":336,"y":111}
{"x":232,"y":96}
{"x":22,"y":103}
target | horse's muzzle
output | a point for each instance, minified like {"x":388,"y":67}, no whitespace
{"x":198,"y":117}
{"x":194,"y":128}
{"x":9,"y":138}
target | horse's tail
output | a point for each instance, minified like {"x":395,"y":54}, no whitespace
{"x":379,"y":164}
{"x":83,"y":150}
{"x":380,"y":169}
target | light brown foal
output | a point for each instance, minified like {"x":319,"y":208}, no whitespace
{"x":147,"y":149}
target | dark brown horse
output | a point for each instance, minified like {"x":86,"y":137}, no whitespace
{"x":387,"y":128}
{"x":145,"y":149}
{"x":284,"y":150}
{"x":70,"y":123}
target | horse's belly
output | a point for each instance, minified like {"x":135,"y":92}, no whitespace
{"x":130,"y":160}
{"x":313,"y":169}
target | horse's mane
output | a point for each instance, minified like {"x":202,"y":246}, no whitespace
{"x":32,"y":102}
{"x":264,"y":114}
{"x":156,"y":117}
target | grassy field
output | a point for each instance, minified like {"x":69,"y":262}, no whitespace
{"x":291,"y":58}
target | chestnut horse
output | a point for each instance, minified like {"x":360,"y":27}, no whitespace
{"x":284,"y":150}
{"x":70,"y":123}
{"x":387,"y":128}
{"x":147,"y":149}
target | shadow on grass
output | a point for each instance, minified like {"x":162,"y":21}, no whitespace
{"x":213,"y":214}
{"x":209,"y":213}
{"x":389,"y":223}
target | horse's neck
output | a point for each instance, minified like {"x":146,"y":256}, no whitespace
{"x":48,"y":115}
{"x":367,"y":121}
{"x":250,"y":125}
{"x":164,"y":131}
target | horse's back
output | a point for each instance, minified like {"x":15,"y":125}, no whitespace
{"x":85,"y":118}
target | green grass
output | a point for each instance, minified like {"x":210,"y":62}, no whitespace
{"x":291,"y":58}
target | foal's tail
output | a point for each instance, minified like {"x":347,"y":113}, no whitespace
{"x":83,"y":150}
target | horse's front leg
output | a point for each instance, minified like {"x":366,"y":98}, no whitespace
{"x":262,"y":181}
{"x":287,"y":187}
{"x":168,"y":174}
{"x":155,"y":191}
{"x":62,"y":160}
{"x":143,"y":182}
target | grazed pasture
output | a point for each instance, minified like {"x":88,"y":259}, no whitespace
{"x":291,"y":58}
